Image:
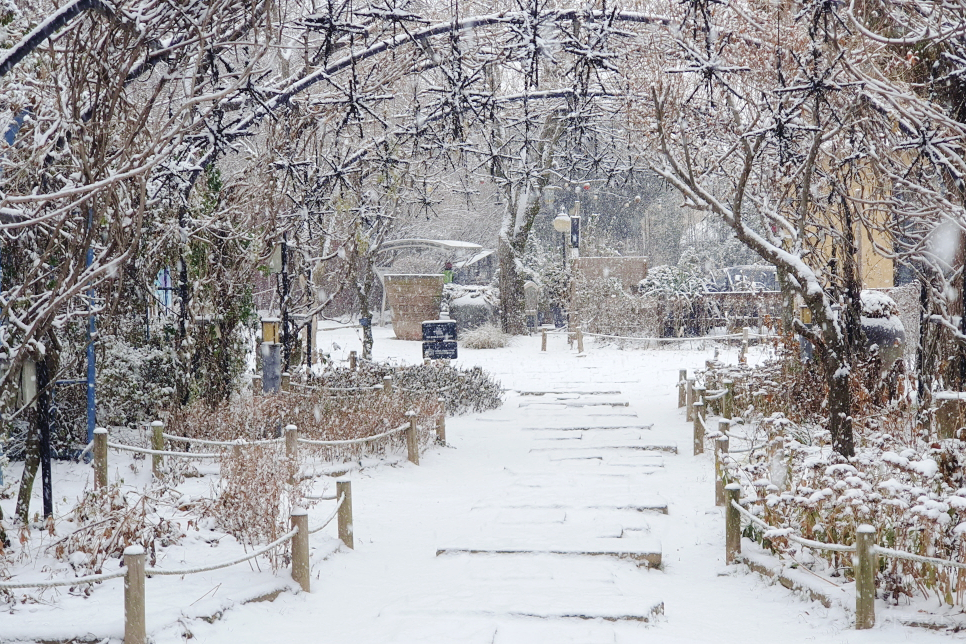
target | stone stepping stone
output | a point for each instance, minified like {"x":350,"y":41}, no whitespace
{"x":643,"y":551}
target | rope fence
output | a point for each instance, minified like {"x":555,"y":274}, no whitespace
{"x":134,"y":570}
{"x":727,"y":493}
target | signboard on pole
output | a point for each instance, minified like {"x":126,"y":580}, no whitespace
{"x":439,"y":331}
{"x":439,"y":340}
{"x":439,"y":350}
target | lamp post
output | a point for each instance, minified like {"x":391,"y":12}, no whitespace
{"x":561,"y":224}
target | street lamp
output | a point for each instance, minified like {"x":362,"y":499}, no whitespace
{"x":561,"y":224}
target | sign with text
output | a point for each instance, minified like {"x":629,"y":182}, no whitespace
{"x":439,"y":331}
{"x":439,"y":350}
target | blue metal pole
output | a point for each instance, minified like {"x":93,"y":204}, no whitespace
{"x":91,"y":328}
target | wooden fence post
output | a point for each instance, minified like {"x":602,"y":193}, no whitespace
{"x":100,"y":458}
{"x":301,"y":574}
{"x":286,"y":381}
{"x":352,"y":360}
{"x":346,"y":531}
{"x":865,"y":565}
{"x":699,"y":397}
{"x":292,"y":452}
{"x":682,"y":393}
{"x":689,"y":399}
{"x":698,"y":428}
{"x":543,"y":339}
{"x":412,"y":444}
{"x":732,"y":523}
{"x":728,"y":402}
{"x":441,"y":421}
{"x":157,"y":443}
{"x":135,"y":630}
{"x":387,"y":384}
{"x":743,"y":353}
{"x":580,"y":340}
{"x":721,"y":446}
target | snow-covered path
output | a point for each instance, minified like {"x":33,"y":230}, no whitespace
{"x":491,"y":539}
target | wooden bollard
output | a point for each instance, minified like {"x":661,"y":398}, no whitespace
{"x":699,"y":396}
{"x":346,"y":532}
{"x":256,"y":385}
{"x":865,"y":566}
{"x":682,"y":393}
{"x":543,"y":339}
{"x":352,"y":360}
{"x":286,"y":381}
{"x":301,"y":573}
{"x":689,"y":399}
{"x":728,"y":402}
{"x":721,"y":446}
{"x":412,"y":443}
{"x":441,"y":421}
{"x":157,"y":443}
{"x":100,"y":458}
{"x":732,"y":523}
{"x":135,"y":629}
{"x":698,"y":428}
{"x":292,"y":452}
{"x":580,"y":340}
{"x":387,"y":384}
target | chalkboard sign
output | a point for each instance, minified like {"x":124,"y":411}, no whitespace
{"x":439,"y":331}
{"x":439,"y":350}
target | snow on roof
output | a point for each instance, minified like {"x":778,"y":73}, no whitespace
{"x":442,"y":244}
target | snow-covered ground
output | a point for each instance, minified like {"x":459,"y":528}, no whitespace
{"x":534,"y":524}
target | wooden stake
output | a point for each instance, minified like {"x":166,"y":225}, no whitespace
{"x":352,"y":360}
{"x":412,"y":444}
{"x":135,"y":631}
{"x":728,"y":402}
{"x":682,"y":384}
{"x":346,"y":532}
{"x":689,"y":399}
{"x":301,"y":573}
{"x":865,"y":565}
{"x":698,"y":428}
{"x":543,"y":339}
{"x":292,"y":452}
{"x":157,"y":443}
{"x":732,"y":523}
{"x":387,"y":384}
{"x":100,"y":458}
{"x":721,"y":447}
{"x":441,"y":421}
{"x":580,"y":340}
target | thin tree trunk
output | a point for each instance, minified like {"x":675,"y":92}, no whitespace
{"x":839,"y":406}
{"x":31,"y":463}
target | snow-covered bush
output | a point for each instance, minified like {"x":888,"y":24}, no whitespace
{"x":133,"y":382}
{"x":603,"y":306}
{"x":677,"y":294}
{"x":909,"y":487}
{"x":487,"y":336}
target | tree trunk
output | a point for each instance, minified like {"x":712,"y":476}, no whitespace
{"x":31,"y":463}
{"x":511,"y":289}
{"x":839,"y":406}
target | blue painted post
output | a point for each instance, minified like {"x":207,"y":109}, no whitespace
{"x":91,"y":329}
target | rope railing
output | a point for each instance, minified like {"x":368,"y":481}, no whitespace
{"x":90,"y":579}
{"x":238,"y":442}
{"x":334,"y":514}
{"x":159,"y":452}
{"x":353,"y":441}
{"x":908,"y":556}
{"x":225,"y":564}
{"x":788,"y":534}
{"x":715,"y":394}
{"x":727,"y":336}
